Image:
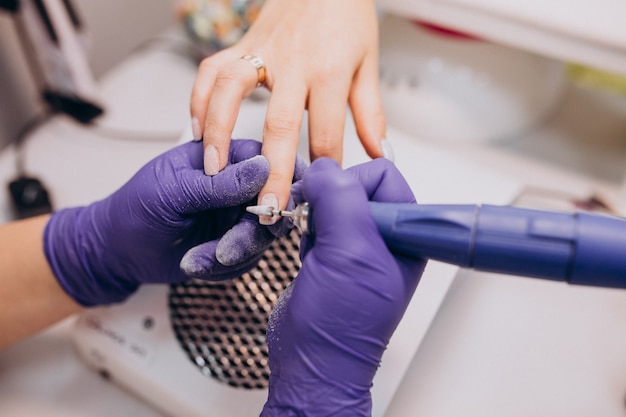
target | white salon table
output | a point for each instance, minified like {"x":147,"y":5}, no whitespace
{"x":498,"y":346}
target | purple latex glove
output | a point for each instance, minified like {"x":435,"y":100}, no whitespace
{"x":102,"y":252}
{"x":330,"y":328}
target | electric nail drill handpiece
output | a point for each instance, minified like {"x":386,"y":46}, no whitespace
{"x":579,"y":248}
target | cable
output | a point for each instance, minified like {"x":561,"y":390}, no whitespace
{"x":18,"y":142}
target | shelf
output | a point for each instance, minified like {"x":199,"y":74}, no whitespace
{"x":587,"y":32}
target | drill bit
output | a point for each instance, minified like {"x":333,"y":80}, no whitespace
{"x":299,"y":216}
{"x":268,"y":211}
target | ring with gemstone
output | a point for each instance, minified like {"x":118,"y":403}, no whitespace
{"x":259,"y":65}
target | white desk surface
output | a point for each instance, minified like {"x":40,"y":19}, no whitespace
{"x":499,"y":345}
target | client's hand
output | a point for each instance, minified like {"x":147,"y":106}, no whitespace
{"x":330,"y":328}
{"x":101,"y":253}
{"x":318,"y":55}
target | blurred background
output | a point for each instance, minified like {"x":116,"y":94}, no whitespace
{"x":114,"y":27}
{"x":506,"y":102}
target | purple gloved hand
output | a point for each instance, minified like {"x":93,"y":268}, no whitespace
{"x":101,"y":253}
{"x":330,"y":328}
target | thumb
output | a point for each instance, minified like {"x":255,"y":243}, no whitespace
{"x":235,"y":185}
{"x":340,"y":209}
{"x":201,"y":262}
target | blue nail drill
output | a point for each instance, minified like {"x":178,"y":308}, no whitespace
{"x":579,"y":248}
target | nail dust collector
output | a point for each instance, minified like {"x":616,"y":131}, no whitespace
{"x":199,"y":349}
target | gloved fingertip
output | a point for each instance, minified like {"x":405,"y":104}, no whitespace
{"x":300,"y":168}
{"x":253,"y":173}
{"x":242,"y":149}
{"x":383,"y":181}
{"x":324,"y":176}
{"x":243,"y":242}
{"x":283,"y":226}
{"x":198,"y":262}
{"x":324,"y":164}
{"x":296,"y":193}
{"x":338,"y":202}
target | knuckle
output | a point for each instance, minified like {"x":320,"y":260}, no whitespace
{"x":280,"y":179}
{"x":382,"y":165}
{"x":326,"y":146}
{"x":330,"y":72}
{"x":327,"y":143}
{"x":213,"y":126}
{"x":227,"y":76}
{"x":207,"y":65}
{"x":281,"y":126}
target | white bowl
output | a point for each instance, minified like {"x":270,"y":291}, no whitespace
{"x":455,"y":89}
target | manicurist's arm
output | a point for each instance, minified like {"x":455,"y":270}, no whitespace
{"x":168,"y":223}
{"x":30,"y":295}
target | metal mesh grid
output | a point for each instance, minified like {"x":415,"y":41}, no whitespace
{"x":221,"y":325}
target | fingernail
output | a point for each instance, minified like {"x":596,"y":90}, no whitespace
{"x":385,"y":146}
{"x":269,"y":199}
{"x":195,"y":129}
{"x":211,"y":160}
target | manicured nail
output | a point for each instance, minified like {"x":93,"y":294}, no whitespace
{"x":211,"y":160}
{"x":269,"y":199}
{"x":387,"y":150}
{"x":195,"y":129}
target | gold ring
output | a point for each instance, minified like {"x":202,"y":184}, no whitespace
{"x":257,"y":63}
